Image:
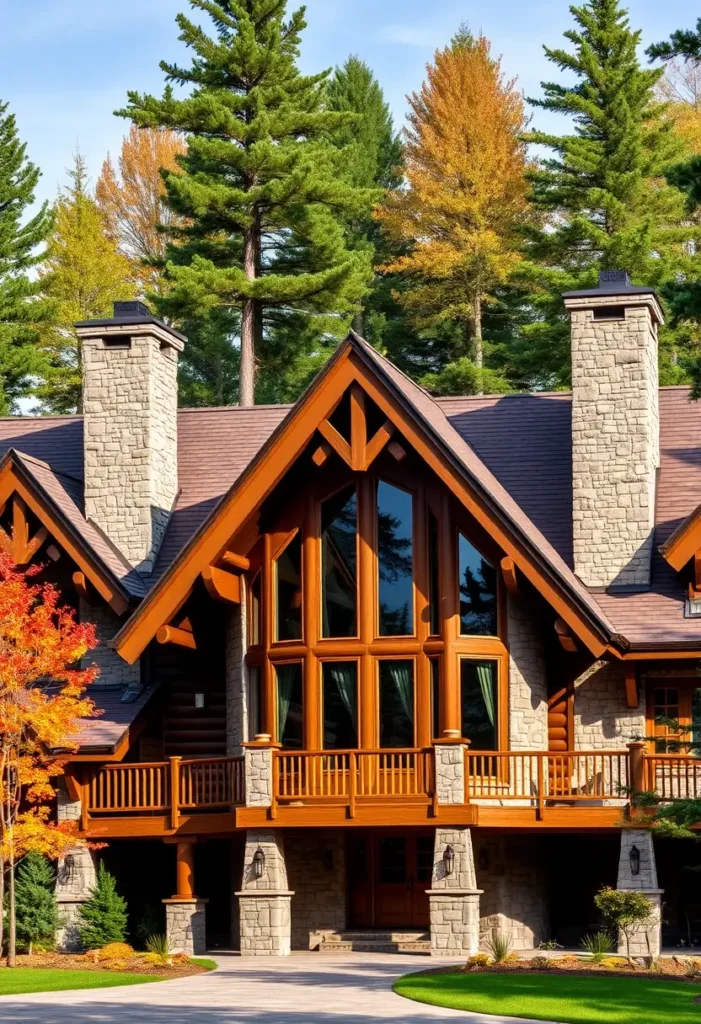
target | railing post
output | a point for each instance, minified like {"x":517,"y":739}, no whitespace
{"x":636,"y":768}
{"x":352,"y":769}
{"x":174,"y":792}
{"x":540,"y":801}
{"x":85,"y":806}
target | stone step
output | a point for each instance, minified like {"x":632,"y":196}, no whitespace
{"x":379,"y":935}
{"x":419,"y":948}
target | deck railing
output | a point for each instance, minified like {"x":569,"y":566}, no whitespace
{"x":346,"y":776}
{"x":673,"y":776}
{"x":165,"y":786}
{"x":536,"y":777}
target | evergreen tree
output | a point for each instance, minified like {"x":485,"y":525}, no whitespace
{"x":601,"y":195}
{"x":20,"y":307}
{"x":104,"y":915}
{"x":35,"y":902}
{"x":83,"y":273}
{"x":261,"y":192}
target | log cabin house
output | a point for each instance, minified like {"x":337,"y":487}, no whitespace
{"x":378,"y":670}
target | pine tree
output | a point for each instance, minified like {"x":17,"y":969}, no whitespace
{"x":465,"y":196}
{"x":20,"y":307}
{"x":83,"y":273}
{"x":601,"y":195}
{"x":261,"y":193}
{"x":35,"y":900}
{"x":104,"y":915}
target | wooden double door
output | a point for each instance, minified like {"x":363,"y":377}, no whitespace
{"x":388,"y":875}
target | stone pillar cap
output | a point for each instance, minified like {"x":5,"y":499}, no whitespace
{"x":185,"y":899}
{"x":265,"y":892}
{"x":455,"y":892}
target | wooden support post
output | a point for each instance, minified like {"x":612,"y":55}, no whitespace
{"x":173,"y":635}
{"x":540,"y":801}
{"x":636,"y":767}
{"x":221,"y":585}
{"x":185,"y":871}
{"x":85,"y":807}
{"x":20,"y":530}
{"x":631,"y":677}
{"x":359,"y":434}
{"x":352,"y":782}
{"x":508,"y":572}
{"x":175,"y":791}
{"x":451,"y":717}
{"x":367,"y":683}
{"x":235,"y":561}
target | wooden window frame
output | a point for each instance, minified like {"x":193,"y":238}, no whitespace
{"x":324,"y":660}
{"x":319,"y":568}
{"x":684,"y":686}
{"x":417,"y":531}
{"x":401,"y":657}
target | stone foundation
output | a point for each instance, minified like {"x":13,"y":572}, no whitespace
{"x":512,"y":875}
{"x":185,"y":926}
{"x":316,"y":871}
{"x":75,"y":877}
{"x":646,"y":938}
{"x":454,"y":898}
{"x":265,"y":899}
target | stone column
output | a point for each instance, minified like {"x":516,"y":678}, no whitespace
{"x":646,"y":940}
{"x":75,"y":877}
{"x":264,"y":897}
{"x":450,"y":771}
{"x":258,"y":758}
{"x":185,"y":912}
{"x":454,"y":897}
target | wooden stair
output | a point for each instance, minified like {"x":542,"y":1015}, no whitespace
{"x":410,"y":941}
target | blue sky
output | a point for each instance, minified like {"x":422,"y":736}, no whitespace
{"x":65,"y":65}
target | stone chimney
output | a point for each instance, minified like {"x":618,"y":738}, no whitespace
{"x":615,"y":430}
{"x":130,"y":398}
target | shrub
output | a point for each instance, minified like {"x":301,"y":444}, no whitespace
{"x":104,"y":915}
{"x":478,"y":961}
{"x":613,"y":963}
{"x":598,"y":946}
{"x":35,"y":903}
{"x":115,"y":951}
{"x":623,"y":910}
{"x":540,"y":963}
{"x":158,"y":950}
{"x":499,"y":946}
{"x":550,"y":944}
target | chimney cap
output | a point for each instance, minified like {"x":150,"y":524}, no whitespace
{"x":611,"y":282}
{"x":136,"y":313}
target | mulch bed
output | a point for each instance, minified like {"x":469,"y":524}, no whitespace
{"x":182,"y":967}
{"x":669,"y":968}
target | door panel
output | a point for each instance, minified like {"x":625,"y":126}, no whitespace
{"x":388,"y":875}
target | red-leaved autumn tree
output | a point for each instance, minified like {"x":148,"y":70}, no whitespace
{"x":42,"y":697}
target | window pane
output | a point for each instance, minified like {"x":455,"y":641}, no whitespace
{"x":290,"y":723}
{"x":288,"y":578}
{"x":338,"y":564}
{"x":396,"y":703}
{"x":253,"y":701}
{"x":435,"y":698}
{"x":479,"y":704}
{"x":478,"y":592}
{"x":255,"y":611}
{"x":395,"y":558}
{"x":433,"y":588}
{"x":340,"y":705}
{"x":695,"y":737}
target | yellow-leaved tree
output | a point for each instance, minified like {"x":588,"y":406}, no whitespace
{"x":680,"y":89}
{"x":465,"y":191}
{"x":131,"y":198}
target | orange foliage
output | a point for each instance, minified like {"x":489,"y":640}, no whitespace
{"x":42,"y":698}
{"x":465,"y":189}
{"x":133,"y":201}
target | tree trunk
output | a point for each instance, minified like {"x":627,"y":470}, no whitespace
{"x":11,"y":917}
{"x":358,"y":323}
{"x":2,"y":898}
{"x":251,"y":320}
{"x":477,"y":356}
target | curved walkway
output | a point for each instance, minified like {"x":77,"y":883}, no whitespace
{"x":301,"y":989}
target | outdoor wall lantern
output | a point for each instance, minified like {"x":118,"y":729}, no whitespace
{"x":67,"y":869}
{"x":449,"y":859}
{"x":634,"y":860}
{"x":258,"y":863}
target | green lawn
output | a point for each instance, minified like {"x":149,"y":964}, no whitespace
{"x":17,"y":980}
{"x":566,"y":998}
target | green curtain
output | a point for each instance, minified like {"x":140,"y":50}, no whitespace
{"x":485,"y":677}
{"x":403,"y":679}
{"x":343,"y":674}
{"x":285,"y":683}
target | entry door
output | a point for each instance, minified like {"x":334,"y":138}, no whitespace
{"x":402,"y":875}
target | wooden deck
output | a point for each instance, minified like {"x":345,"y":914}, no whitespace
{"x":511,"y":789}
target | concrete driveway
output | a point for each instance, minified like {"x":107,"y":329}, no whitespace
{"x":301,"y":989}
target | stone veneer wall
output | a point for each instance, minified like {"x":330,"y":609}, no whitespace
{"x":316,"y":872}
{"x":615,"y":440}
{"x":602,"y":718}
{"x":511,"y":872}
{"x":130,"y":397}
{"x":74,"y":882}
{"x":237,"y":710}
{"x":114,"y":671}
{"x":528,"y":696}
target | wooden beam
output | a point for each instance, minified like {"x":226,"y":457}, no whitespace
{"x":53,"y":552}
{"x":358,"y":428}
{"x":6,"y":543}
{"x":72,"y":785}
{"x":20,"y":530}
{"x":81,"y":585}
{"x":396,"y":450}
{"x":567,"y":641}
{"x":173,"y":635}
{"x":378,"y":442}
{"x":337,"y":442}
{"x":36,"y":542}
{"x":221,"y":585}
{"x":235,"y":561}
{"x":508,"y":572}
{"x":321,"y":454}
{"x":631,"y":677}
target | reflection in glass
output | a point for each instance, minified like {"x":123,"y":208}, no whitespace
{"x":433,"y":587}
{"x":435,"y":698}
{"x":255,"y":610}
{"x":478,"y":592}
{"x":338,"y":564}
{"x":290,"y":724}
{"x":395,"y":560}
{"x":254,"y":723}
{"x":695,"y":735}
{"x":340,"y":705}
{"x":478,"y":703}
{"x":288,"y":580}
{"x":396,"y":703}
